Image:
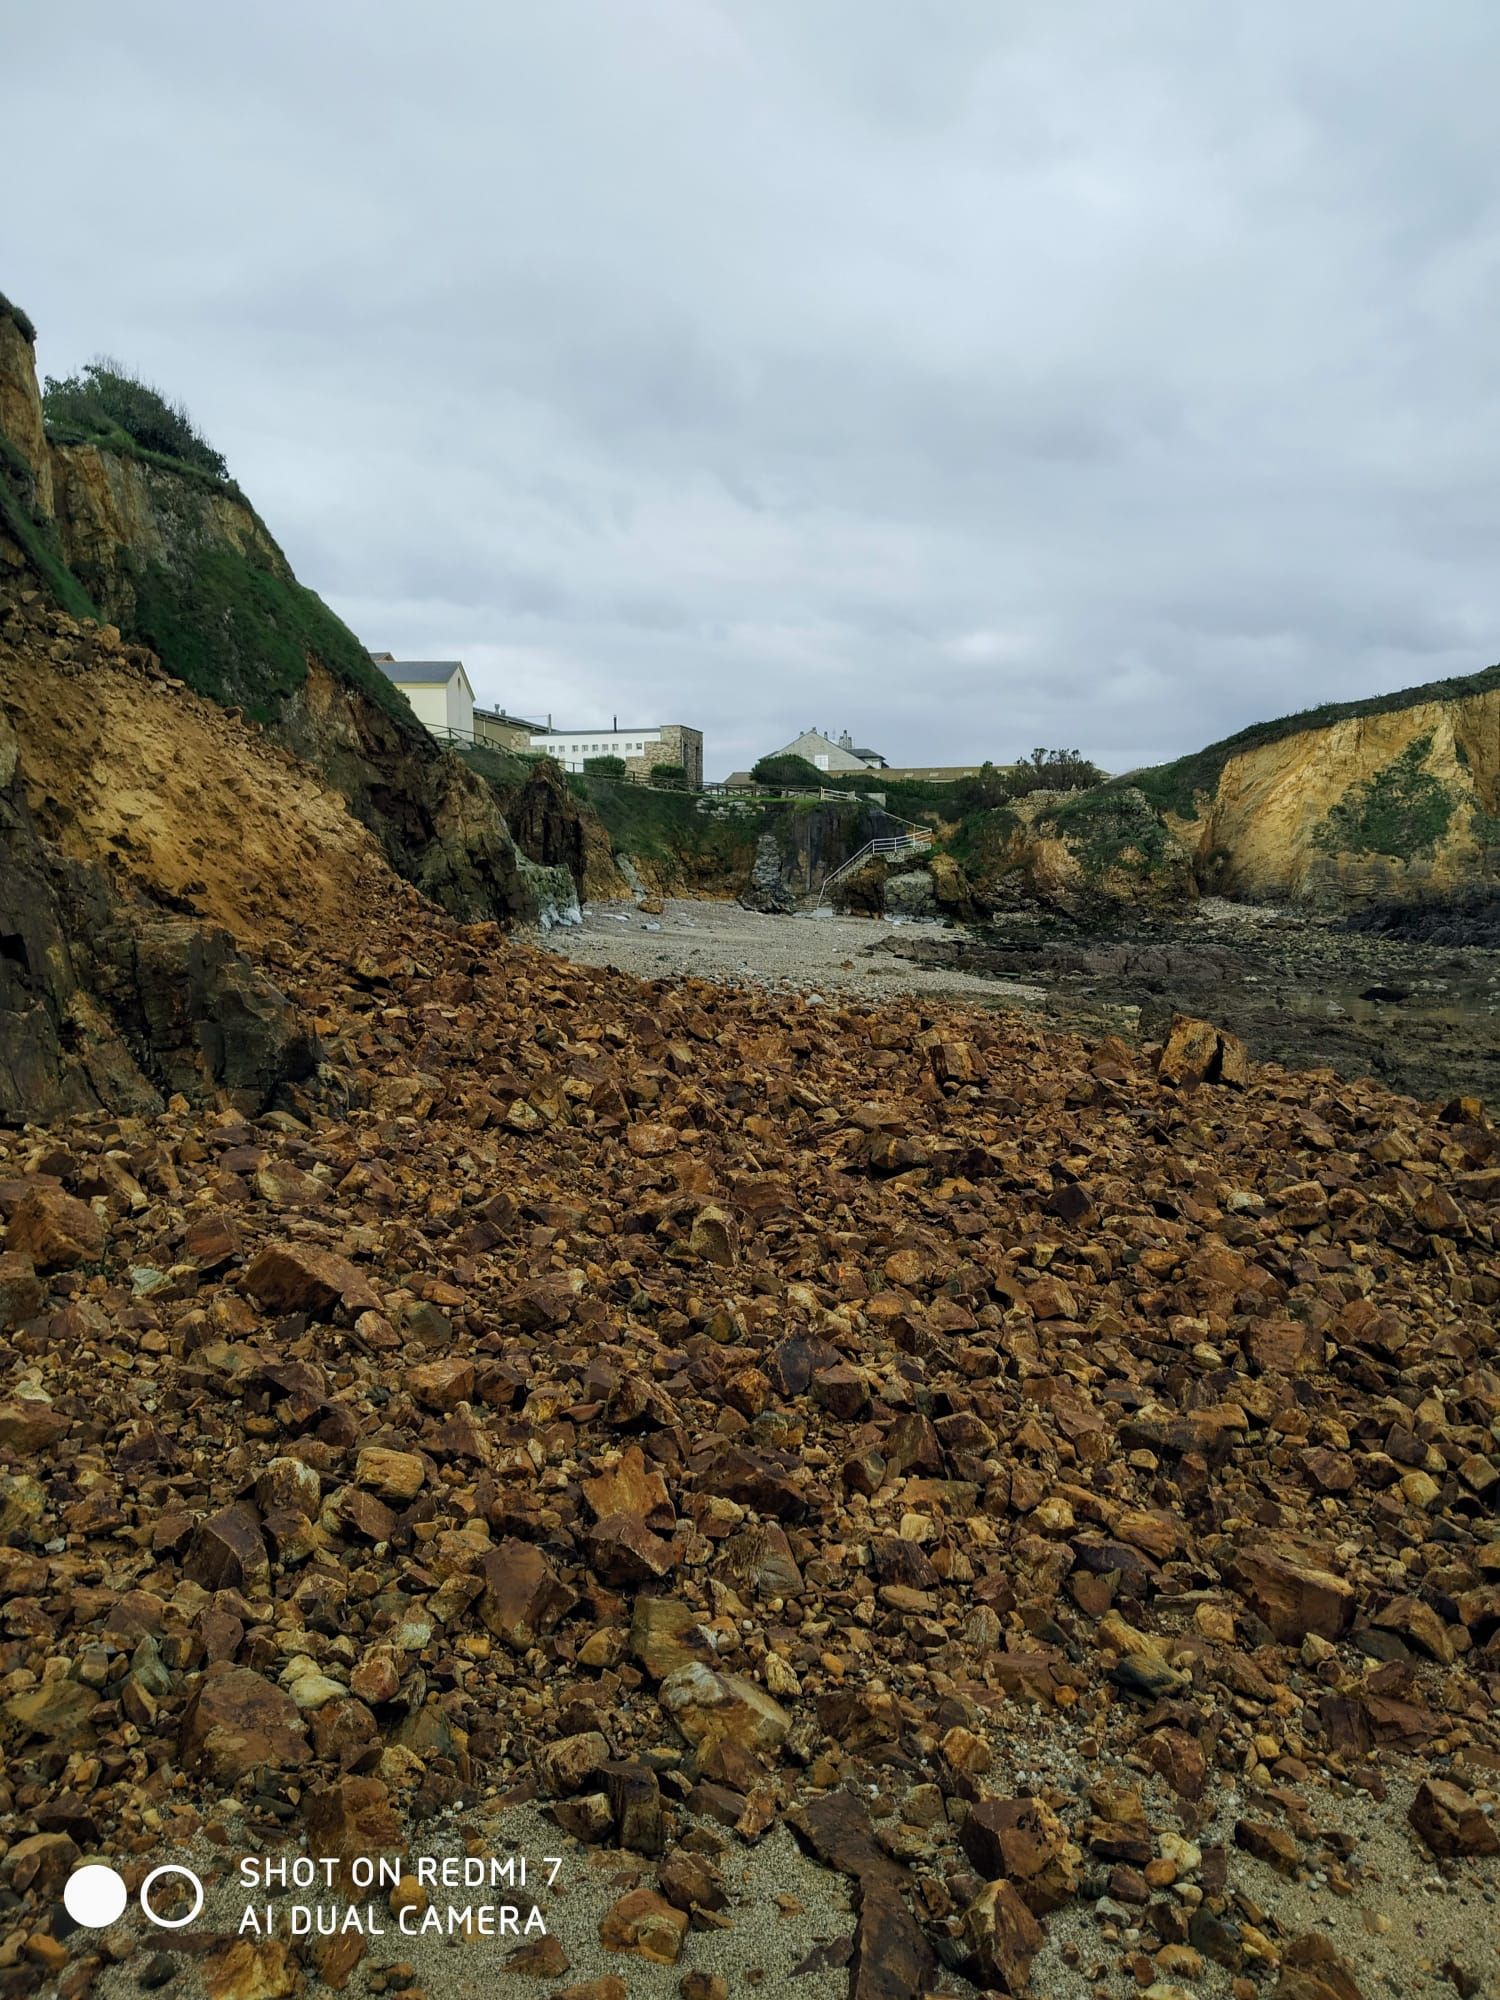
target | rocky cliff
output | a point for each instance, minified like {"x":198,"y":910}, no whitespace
{"x":120,"y":982}
{"x":1397,"y":806}
{"x":1087,"y":854}
{"x":180,"y":561}
{"x":1391,"y":800}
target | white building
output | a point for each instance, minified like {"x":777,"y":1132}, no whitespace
{"x":438,"y":691}
{"x":639,"y":749}
{"x":571,"y":746}
{"x":825,"y":755}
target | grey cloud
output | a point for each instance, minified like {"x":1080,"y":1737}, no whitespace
{"x":973,"y":376}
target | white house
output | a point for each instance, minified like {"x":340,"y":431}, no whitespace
{"x":825,"y":755}
{"x":438,"y":690}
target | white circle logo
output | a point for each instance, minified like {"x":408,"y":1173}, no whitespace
{"x":95,"y":1896}
{"x":171,"y":1923}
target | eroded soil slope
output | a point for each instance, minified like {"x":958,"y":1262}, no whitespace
{"x":181,"y":801}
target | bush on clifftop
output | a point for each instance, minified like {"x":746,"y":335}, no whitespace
{"x":104,"y":401}
{"x":787,"y":773}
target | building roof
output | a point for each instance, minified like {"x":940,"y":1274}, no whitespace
{"x":813,"y":743}
{"x":515,"y":721}
{"x":625,"y":729}
{"x":433,"y":673}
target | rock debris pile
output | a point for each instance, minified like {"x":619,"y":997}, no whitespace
{"x":1037,"y":1482}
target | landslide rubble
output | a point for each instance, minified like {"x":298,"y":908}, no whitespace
{"x":1059,"y":1487}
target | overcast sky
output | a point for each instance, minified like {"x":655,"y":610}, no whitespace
{"x":973,"y":376}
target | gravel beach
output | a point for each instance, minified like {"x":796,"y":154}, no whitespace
{"x":738,"y":947}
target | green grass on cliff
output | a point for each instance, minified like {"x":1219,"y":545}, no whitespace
{"x":1175,"y":787}
{"x":105,"y":402}
{"x":37,"y":538}
{"x":667,"y":828}
{"x":1403,"y":811}
{"x":1110,"y":830}
{"x":238,"y":632}
{"x":980,"y":841}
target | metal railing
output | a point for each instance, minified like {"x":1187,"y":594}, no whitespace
{"x":889,"y":847}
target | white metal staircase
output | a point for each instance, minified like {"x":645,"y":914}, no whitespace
{"x":892,"y":848}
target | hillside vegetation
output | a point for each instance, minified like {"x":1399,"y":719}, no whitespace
{"x":116,"y":510}
{"x":1175,"y":787}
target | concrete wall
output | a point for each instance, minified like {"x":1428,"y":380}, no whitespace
{"x":441,"y":708}
{"x":504,"y":735}
{"x":429,"y":704}
{"x":460,"y":704}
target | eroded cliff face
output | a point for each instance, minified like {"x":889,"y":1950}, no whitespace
{"x":116,"y":514}
{"x":183,"y":564}
{"x":1398,"y":807}
{"x":553,"y":831}
{"x":112,"y":998}
{"x":21,"y":410}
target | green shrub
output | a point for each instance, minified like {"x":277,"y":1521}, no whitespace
{"x":233,"y":628}
{"x":788,"y":774}
{"x":1403,"y":811}
{"x":105,"y":402}
{"x":1053,"y":771}
{"x":22,"y":320}
{"x":605,"y":767}
{"x":991,"y":788}
{"x":1109,"y":830}
{"x":980,"y":842}
{"x":669,"y":777}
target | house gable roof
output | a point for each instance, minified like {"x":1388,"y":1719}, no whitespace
{"x":421,"y":673}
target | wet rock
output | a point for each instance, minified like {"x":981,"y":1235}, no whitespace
{"x":1198,"y":1052}
{"x":708,"y":1706}
{"x":1312,"y":1968}
{"x":292,"y":1277}
{"x":1024,"y":1842}
{"x":228,"y":1552}
{"x":1002,"y":1936}
{"x":252,"y":1969}
{"x":394,"y":1475}
{"x":21,"y":1291}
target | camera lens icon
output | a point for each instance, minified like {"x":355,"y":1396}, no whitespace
{"x":171,"y":1868}
{"x":95,"y":1896}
